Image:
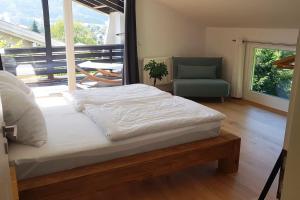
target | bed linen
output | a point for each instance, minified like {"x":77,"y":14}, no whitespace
{"x":99,"y":96}
{"x":74,"y":141}
{"x":126,"y":119}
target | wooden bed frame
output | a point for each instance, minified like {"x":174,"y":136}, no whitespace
{"x":72,"y":184}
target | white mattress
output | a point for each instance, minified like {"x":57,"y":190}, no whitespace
{"x":74,"y":141}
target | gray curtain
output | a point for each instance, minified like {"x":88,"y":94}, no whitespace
{"x":131,"y":69}
{"x":1,"y":66}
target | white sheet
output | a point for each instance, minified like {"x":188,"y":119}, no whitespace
{"x":99,"y":96}
{"x":74,"y":141}
{"x":126,"y":119}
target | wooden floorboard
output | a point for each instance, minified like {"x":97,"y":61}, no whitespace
{"x":262,"y":134}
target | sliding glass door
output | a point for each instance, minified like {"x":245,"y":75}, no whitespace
{"x":265,"y":82}
{"x":98,"y":45}
{"x":33,"y":46}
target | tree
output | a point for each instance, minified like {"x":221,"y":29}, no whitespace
{"x":82,"y":33}
{"x":100,"y":32}
{"x":10,"y":42}
{"x":3,"y":43}
{"x":34,"y":27}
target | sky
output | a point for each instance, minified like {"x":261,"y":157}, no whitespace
{"x":24,"y":12}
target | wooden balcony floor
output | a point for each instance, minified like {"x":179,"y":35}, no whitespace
{"x":46,"y":87}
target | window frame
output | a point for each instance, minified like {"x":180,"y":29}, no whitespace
{"x":257,"y":97}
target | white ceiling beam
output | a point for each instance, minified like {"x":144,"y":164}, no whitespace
{"x":102,"y":6}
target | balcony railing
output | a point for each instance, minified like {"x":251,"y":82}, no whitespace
{"x":45,"y":63}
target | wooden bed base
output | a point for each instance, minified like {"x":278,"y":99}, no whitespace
{"x":72,"y":184}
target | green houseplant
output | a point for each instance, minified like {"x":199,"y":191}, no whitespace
{"x":157,"y":70}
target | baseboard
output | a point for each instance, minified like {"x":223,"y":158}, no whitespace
{"x":274,"y":110}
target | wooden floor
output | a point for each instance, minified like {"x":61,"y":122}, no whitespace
{"x":262,"y":134}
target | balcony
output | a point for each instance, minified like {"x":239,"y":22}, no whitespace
{"x":40,"y":66}
{"x":35,"y":49}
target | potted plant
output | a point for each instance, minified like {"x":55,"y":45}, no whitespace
{"x":157,"y":70}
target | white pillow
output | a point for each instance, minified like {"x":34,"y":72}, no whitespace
{"x":21,"y":110}
{"x":11,"y":79}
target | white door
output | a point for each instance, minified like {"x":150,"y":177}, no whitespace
{"x":292,"y":138}
{"x":5,"y":181}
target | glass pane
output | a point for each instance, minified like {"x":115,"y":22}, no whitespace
{"x":97,"y":46}
{"x":268,"y":78}
{"x":21,"y":30}
{"x":56,"y":14}
{"x":21,"y":24}
{"x":90,"y":26}
{"x":98,"y":38}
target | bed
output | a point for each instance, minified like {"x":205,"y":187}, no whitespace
{"x":79,"y":159}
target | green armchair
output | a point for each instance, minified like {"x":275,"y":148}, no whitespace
{"x":199,"y":77}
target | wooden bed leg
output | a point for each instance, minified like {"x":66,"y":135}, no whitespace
{"x":231,"y":163}
{"x":222,"y":99}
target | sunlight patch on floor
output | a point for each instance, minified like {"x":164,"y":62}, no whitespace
{"x":47,"y":102}
{"x":49,"y":91}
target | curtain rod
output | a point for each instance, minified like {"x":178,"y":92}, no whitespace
{"x":272,"y":43}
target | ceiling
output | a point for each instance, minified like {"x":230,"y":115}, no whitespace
{"x":106,"y":6}
{"x":240,"y":13}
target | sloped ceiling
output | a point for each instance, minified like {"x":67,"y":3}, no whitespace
{"x":240,"y":13}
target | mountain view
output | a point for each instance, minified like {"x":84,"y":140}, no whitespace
{"x":30,"y":10}
{"x":90,"y":26}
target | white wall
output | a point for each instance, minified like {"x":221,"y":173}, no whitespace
{"x":163,"y":32}
{"x":116,"y":29}
{"x":219,"y":42}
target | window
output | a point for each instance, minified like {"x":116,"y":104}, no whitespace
{"x":269,"y":79}
{"x":21,"y":28}
{"x":264,"y":82}
{"x":28,"y":51}
{"x":90,"y":26}
{"x":21,"y":24}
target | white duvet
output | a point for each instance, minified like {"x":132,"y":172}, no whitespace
{"x":125,"y":119}
{"x":100,"y":96}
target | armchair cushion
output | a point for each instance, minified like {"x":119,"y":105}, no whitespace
{"x":201,"y":87}
{"x":196,"y":72}
{"x":199,"y":61}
